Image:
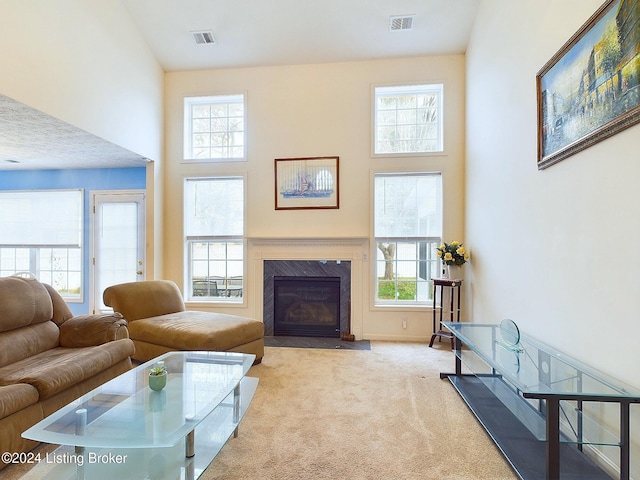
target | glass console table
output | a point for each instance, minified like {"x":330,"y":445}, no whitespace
{"x":543,"y":409}
{"x":123,"y":429}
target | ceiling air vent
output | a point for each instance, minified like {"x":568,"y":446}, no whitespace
{"x":400,"y":23}
{"x":204,"y":37}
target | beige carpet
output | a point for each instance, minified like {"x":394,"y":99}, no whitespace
{"x":350,"y":414}
{"x":378,"y":414}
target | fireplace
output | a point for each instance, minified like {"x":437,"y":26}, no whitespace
{"x":306,"y":306}
{"x":298,"y":277}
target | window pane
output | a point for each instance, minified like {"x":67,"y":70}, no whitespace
{"x":404,"y":271}
{"x":400,"y":114}
{"x":220,"y":275}
{"x":214,"y":208}
{"x":407,"y":225}
{"x":215,"y":122}
{"x":42,"y":234}
{"x":408,"y":206}
{"x":201,"y":111}
{"x":41,"y":218}
{"x":200,"y":126}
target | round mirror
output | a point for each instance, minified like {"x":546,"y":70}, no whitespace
{"x":509,"y":360}
{"x":510,"y":332}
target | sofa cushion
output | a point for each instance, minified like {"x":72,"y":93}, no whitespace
{"x":194,"y":330}
{"x":61,"y":311}
{"x":55,"y":370}
{"x":23,"y":301}
{"x":21,"y":343}
{"x":14,"y":398}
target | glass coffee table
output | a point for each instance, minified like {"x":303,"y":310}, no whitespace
{"x":124,"y":428}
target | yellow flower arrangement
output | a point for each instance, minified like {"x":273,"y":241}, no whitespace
{"x":452,"y":253}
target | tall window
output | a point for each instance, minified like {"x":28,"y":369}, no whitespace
{"x":41,"y":233}
{"x":214,"y":229}
{"x":214,"y":127}
{"x":407,"y":230}
{"x":408,"y":119}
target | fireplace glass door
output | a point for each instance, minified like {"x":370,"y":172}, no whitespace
{"x":307,"y":306}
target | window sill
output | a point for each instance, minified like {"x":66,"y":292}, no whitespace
{"x":409,"y":154}
{"x":220,"y":303}
{"x":212,"y":160}
{"x":404,"y":307}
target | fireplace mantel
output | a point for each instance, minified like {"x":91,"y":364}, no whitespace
{"x":307,"y":241}
{"x":289,"y":248}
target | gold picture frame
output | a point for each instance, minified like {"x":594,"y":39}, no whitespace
{"x":590,"y":89}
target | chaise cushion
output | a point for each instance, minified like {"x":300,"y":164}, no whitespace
{"x":194,"y":330}
{"x":57,"y":369}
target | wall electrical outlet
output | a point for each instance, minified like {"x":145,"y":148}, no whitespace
{"x":404,"y":322}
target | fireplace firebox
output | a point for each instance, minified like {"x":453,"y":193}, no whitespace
{"x":307,"y":306}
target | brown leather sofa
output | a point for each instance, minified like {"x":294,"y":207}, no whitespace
{"x":49,"y":357}
{"x":159,"y":322}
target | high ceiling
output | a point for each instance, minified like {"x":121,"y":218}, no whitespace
{"x":244,"y":33}
{"x":289,"y":32}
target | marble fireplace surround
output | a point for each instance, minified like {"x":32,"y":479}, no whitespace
{"x":338,"y":257}
{"x":306,"y":268}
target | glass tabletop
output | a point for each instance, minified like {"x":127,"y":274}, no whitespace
{"x":125,"y":412}
{"x":535,"y":368}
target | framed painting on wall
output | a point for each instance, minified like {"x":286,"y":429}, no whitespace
{"x":305,"y":183}
{"x":590,"y":88}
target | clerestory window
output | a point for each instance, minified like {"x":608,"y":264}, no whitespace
{"x":408,"y":120}
{"x":214,"y":128}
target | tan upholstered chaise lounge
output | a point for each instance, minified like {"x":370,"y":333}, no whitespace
{"x":158,"y":322}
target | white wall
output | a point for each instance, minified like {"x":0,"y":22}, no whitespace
{"x":316,"y":110}
{"x":84,"y":63}
{"x":555,"y":250}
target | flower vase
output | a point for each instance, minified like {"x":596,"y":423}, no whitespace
{"x":446,"y":271}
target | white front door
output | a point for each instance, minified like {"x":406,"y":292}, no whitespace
{"x":118,"y":242}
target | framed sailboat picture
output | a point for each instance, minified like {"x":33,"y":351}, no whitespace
{"x":305,"y":183}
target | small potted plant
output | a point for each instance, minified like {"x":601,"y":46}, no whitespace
{"x":158,"y":377}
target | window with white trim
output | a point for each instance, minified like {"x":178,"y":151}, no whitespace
{"x":408,"y":120}
{"x":214,"y":127}
{"x":407,"y":231}
{"x":214,"y":236}
{"x":42,"y":234}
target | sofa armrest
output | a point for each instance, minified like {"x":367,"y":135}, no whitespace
{"x":90,"y":330}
